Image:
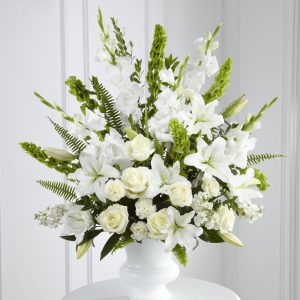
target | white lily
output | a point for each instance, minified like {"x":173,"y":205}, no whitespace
{"x":93,"y":175}
{"x":210,"y":158}
{"x":180,"y":231}
{"x":204,"y":118}
{"x":240,"y":186}
{"x":162,"y":177}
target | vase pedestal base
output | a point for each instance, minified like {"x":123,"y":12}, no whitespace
{"x":181,"y":289}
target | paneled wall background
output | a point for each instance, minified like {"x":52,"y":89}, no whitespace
{"x":44,"y":41}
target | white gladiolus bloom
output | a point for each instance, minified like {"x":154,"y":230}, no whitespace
{"x":167,"y":76}
{"x":211,"y":186}
{"x":180,"y":231}
{"x":226,"y":218}
{"x":140,"y":148}
{"x":114,"y":219}
{"x":180,"y":194}
{"x":93,"y":174}
{"x":157,"y":224}
{"x":193,"y":78}
{"x":136,"y":181}
{"x":139,"y":231}
{"x":144,"y":208}
{"x":210,"y":65}
{"x":204,"y":118}
{"x":238,"y":145}
{"x":256,"y":125}
{"x":76,"y":221}
{"x":162,"y":177}
{"x":210,"y":158}
{"x":241,"y":186}
{"x":115,"y":190}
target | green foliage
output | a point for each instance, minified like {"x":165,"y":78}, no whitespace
{"x":254,"y":159}
{"x":220,"y":84}
{"x":181,"y":70}
{"x":75,"y":144}
{"x":155,"y":65}
{"x":234,"y":107}
{"x":136,"y":75}
{"x":112,"y":115}
{"x":82,"y":94}
{"x":61,"y":189}
{"x":181,"y":146}
{"x":121,"y":44}
{"x":180,"y":254}
{"x":40,"y":155}
{"x":54,"y":107}
{"x":122,"y":243}
{"x":171,"y":63}
{"x":211,"y":236}
{"x":110,"y":244}
{"x":253,"y":119}
{"x":263,"y":180}
{"x":159,"y":147}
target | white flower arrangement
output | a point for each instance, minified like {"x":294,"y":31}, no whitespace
{"x":159,"y":161}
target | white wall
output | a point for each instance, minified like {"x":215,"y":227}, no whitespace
{"x":43,"y":41}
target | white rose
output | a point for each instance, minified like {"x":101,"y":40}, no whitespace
{"x":136,"y":181}
{"x":180,"y":194}
{"x":211,"y":186}
{"x":139,"y":231}
{"x":140,"y":148}
{"x":144,"y":208}
{"x":115,"y":190}
{"x":114,"y":219}
{"x":226,"y":218}
{"x":158,"y":224}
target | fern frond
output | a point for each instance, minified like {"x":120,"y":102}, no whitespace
{"x":180,"y":254}
{"x":159,"y":147}
{"x":123,"y":241}
{"x":41,"y":156}
{"x":254,"y":159}
{"x":234,"y":107}
{"x":221,"y":82}
{"x":59,"y":188}
{"x":75,"y":144}
{"x":112,"y":115}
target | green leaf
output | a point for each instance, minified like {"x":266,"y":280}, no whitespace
{"x":235,"y":107}
{"x":112,"y":115}
{"x":62,"y":189}
{"x":121,"y":45}
{"x":110,"y":244}
{"x":75,"y":144}
{"x":159,"y":147}
{"x":130,"y":133}
{"x":83,"y":249}
{"x":231,"y":239}
{"x":180,"y":254}
{"x":122,"y":243}
{"x":90,"y":235}
{"x":70,"y":238}
{"x":220,"y":84}
{"x":254,"y":159}
{"x":211,"y":236}
{"x":40,"y":155}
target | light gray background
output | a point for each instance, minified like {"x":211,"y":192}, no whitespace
{"x":43,"y":41}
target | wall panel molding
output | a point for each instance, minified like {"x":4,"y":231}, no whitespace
{"x":290,"y":226}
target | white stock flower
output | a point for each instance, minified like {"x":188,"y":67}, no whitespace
{"x":93,"y":174}
{"x":180,"y":231}
{"x":76,"y":221}
{"x":140,"y":148}
{"x":114,"y":219}
{"x":180,"y":194}
{"x":211,"y":186}
{"x":167,"y":76}
{"x":136,"y":181}
{"x":51,"y":216}
{"x":210,"y":158}
{"x":144,"y":208}
{"x":226,"y":218}
{"x":204,"y":118}
{"x":238,"y":145}
{"x":240,"y":185}
{"x":115,"y":190}
{"x":139,"y":231}
{"x":157,"y":224}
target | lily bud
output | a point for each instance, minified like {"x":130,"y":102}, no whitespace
{"x":131,"y":133}
{"x":59,"y":154}
{"x":231,"y":239}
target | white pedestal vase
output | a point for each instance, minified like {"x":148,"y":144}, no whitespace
{"x":148,"y":269}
